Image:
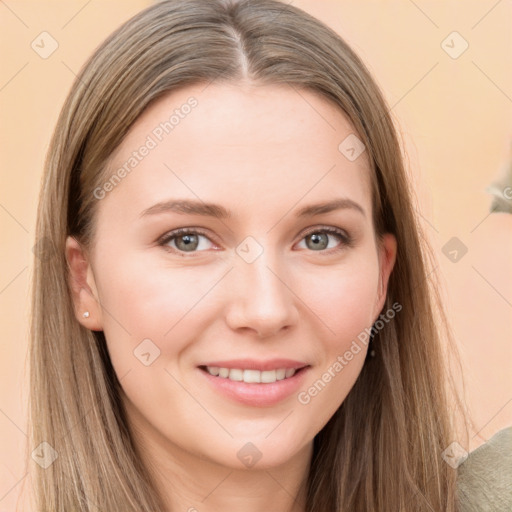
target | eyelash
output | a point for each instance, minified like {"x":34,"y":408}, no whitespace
{"x":346,"y":240}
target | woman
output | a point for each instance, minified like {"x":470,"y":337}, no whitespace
{"x":240,"y":310}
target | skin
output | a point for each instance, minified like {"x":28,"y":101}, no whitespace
{"x":262,"y":152}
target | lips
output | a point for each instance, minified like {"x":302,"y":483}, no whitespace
{"x":255,"y":383}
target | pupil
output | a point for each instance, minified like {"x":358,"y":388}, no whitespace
{"x":317,"y":240}
{"x":189,"y":241}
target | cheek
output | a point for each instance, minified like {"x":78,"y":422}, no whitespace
{"x":151,"y":315}
{"x":343,"y":298}
{"x":348,"y":303}
{"x":142,"y":301}
{"x":344,"y":301}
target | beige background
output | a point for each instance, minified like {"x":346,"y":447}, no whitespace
{"x":455,"y":118}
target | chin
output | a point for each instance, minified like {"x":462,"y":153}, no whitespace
{"x":260,"y":453}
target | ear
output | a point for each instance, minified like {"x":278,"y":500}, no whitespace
{"x":387,"y":256}
{"x":83,"y":286}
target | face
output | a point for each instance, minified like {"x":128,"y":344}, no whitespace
{"x":260,"y":283}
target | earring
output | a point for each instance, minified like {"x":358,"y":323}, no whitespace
{"x":371,"y":350}
{"x":86,"y":314}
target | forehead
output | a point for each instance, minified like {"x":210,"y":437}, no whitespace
{"x":232,"y":142}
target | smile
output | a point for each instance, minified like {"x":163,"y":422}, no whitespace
{"x":251,"y":376}
{"x":255,"y":383}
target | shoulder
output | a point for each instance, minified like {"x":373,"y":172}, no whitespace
{"x":485,"y":477}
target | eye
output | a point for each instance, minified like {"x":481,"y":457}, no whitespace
{"x":190,"y":240}
{"x":318,"y":240}
{"x":185,"y":240}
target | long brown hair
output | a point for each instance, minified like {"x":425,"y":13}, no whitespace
{"x":381,"y":451}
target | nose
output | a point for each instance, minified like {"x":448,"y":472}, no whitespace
{"x":261,"y":298}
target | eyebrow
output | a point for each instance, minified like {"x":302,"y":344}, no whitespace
{"x":192,"y":207}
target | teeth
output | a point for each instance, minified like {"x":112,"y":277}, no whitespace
{"x":236,"y":374}
{"x":268,"y":376}
{"x":289,"y":372}
{"x":251,"y":376}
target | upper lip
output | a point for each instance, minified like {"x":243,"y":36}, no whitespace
{"x":254,"y":364}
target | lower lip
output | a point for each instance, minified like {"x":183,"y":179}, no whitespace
{"x":257,"y":395}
